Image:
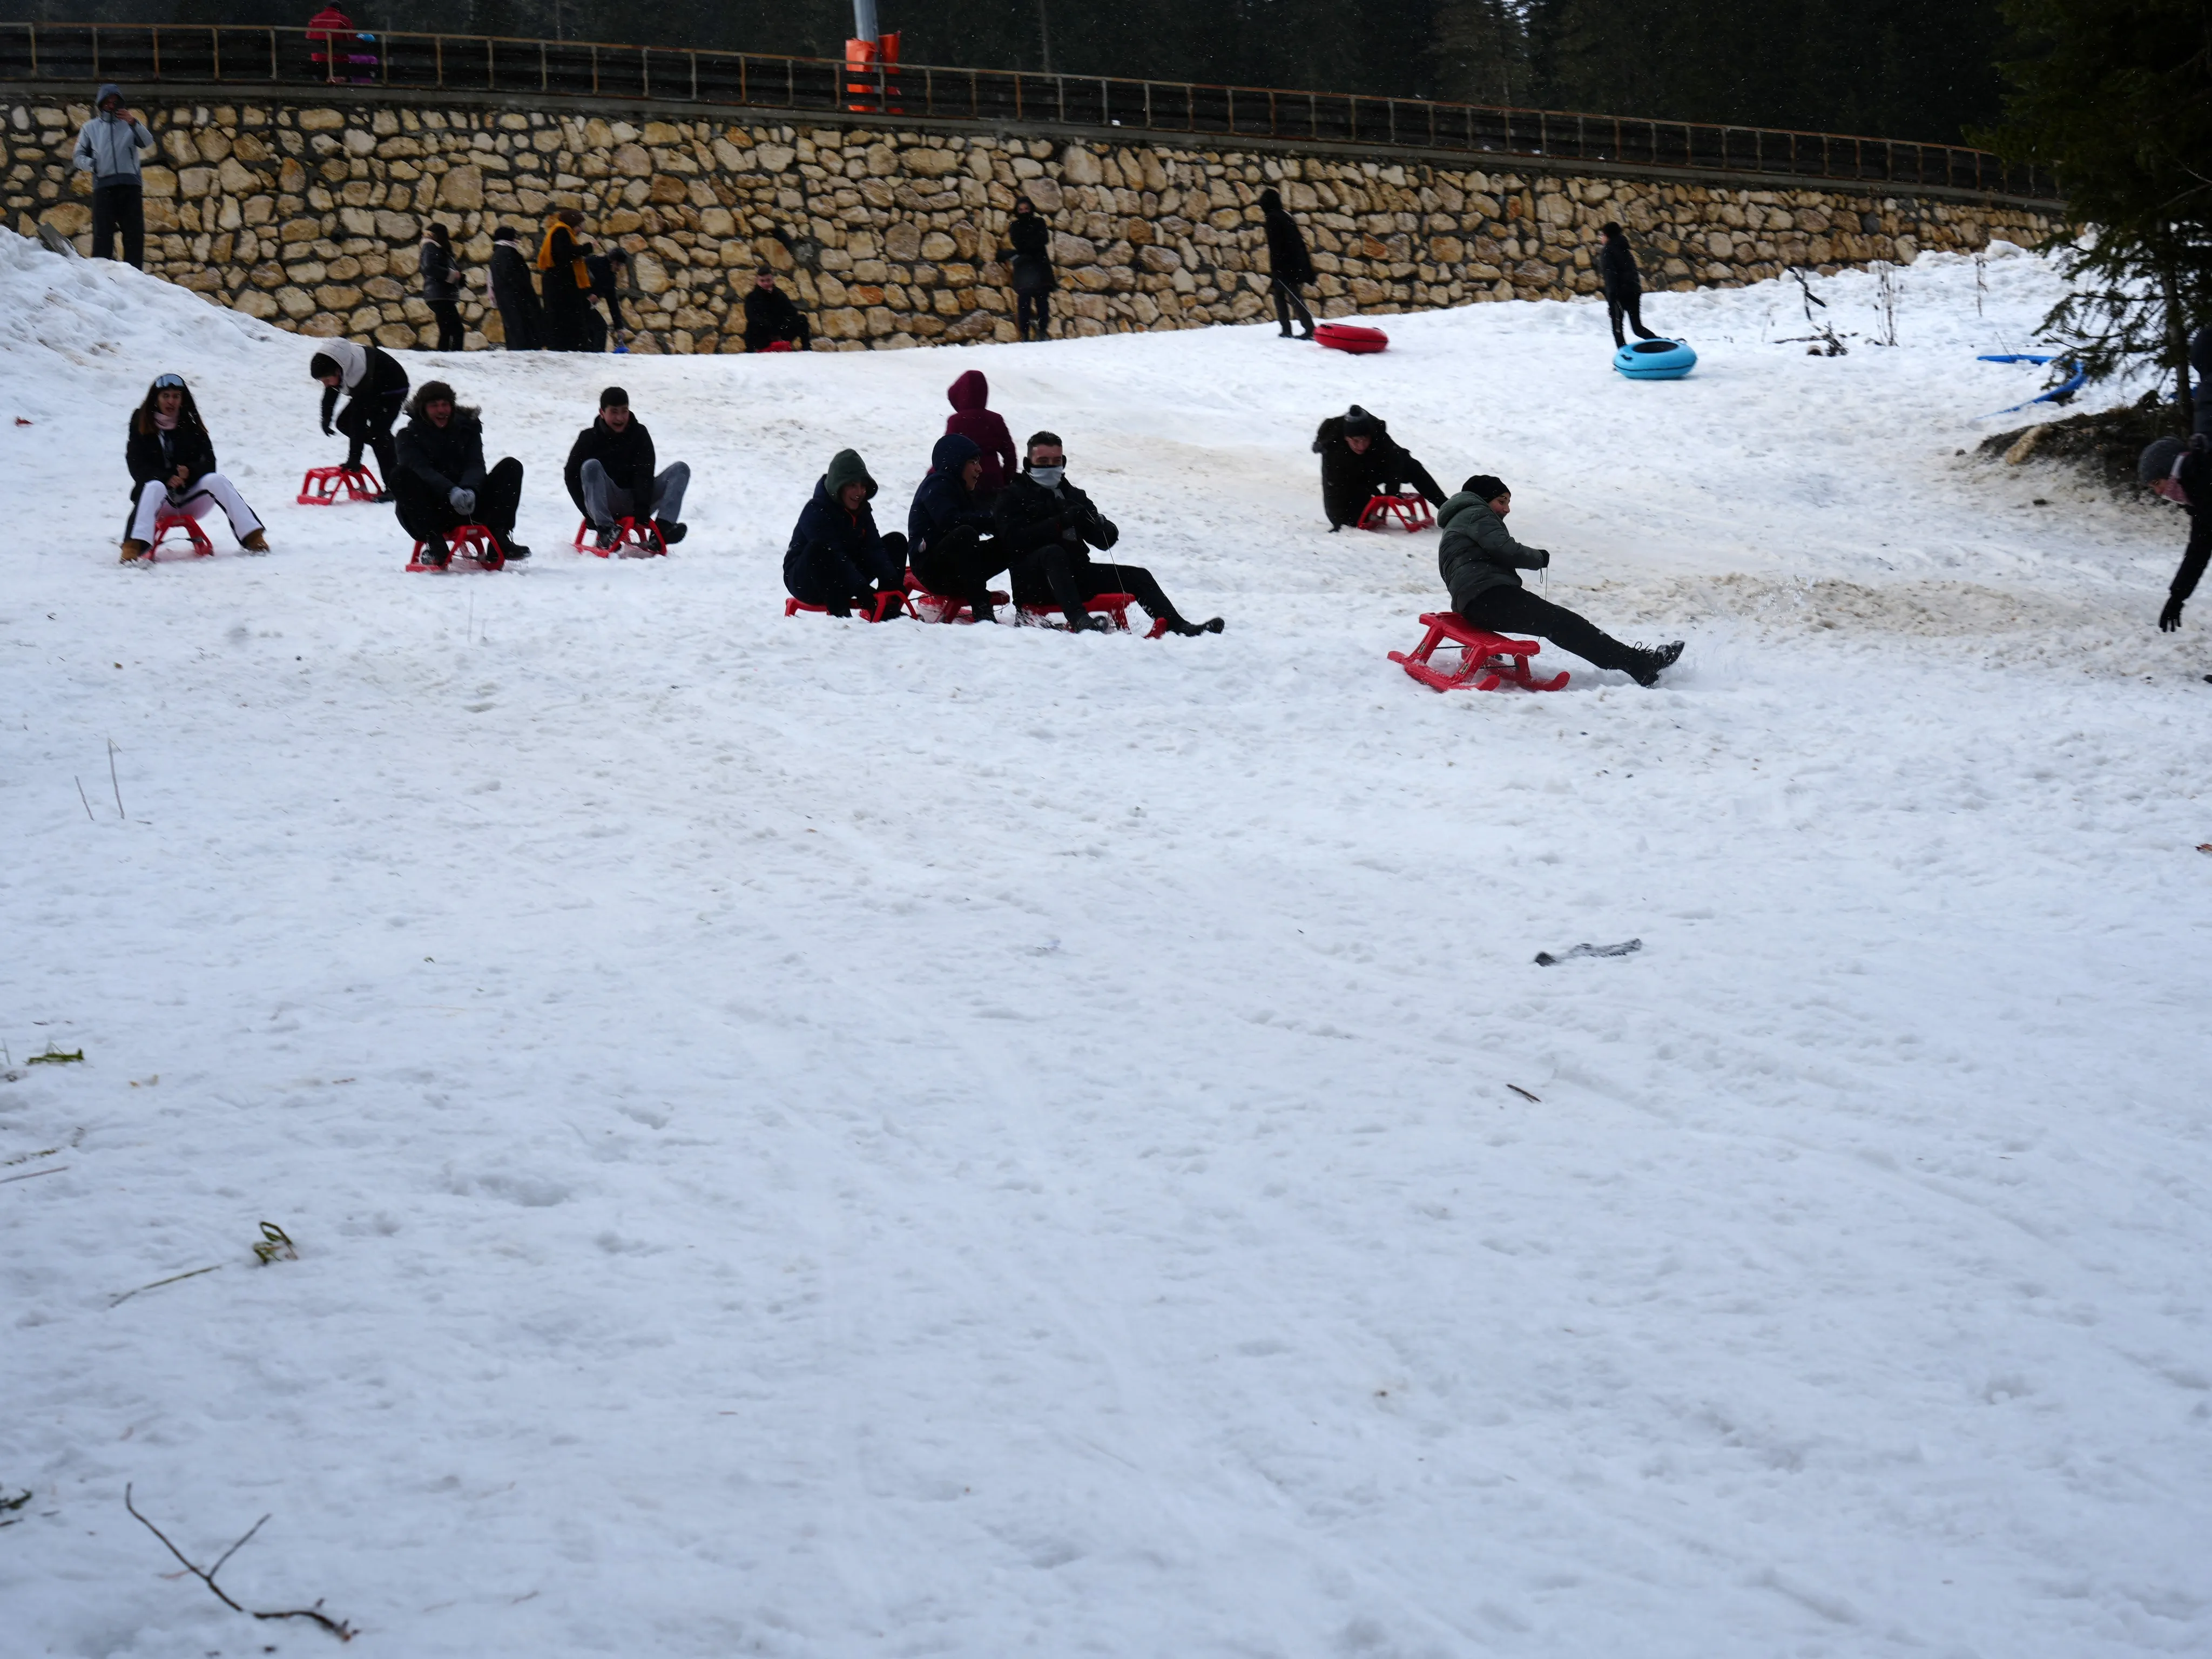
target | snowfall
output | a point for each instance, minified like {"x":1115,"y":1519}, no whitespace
{"x":808,"y":1139}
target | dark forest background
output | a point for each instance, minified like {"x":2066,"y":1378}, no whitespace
{"x":1901,"y":69}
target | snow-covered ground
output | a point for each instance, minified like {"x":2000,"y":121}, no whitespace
{"x":808,"y":1140}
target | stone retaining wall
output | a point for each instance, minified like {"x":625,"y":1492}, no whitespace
{"x":310,"y":216}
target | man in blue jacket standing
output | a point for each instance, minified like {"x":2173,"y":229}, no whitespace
{"x":107,"y":148}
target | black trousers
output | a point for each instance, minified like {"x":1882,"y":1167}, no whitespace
{"x":960,"y":565}
{"x":1516,"y":611}
{"x":368,"y":420}
{"x":1054,"y":575}
{"x":119,"y":207}
{"x":427,"y":517}
{"x":569,"y":320}
{"x":822,"y":579}
{"x":523,"y":324}
{"x":1032,"y":308}
{"x":448,"y":313}
{"x":1289,"y":300}
{"x":1632,"y":306}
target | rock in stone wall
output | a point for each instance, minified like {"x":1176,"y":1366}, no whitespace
{"x":310,"y":216}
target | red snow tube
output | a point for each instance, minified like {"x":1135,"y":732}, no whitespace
{"x":1350,"y":336}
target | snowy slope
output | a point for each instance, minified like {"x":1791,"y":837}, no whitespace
{"x":808,"y":1140}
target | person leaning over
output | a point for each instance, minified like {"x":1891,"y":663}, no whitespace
{"x":376,"y":392}
{"x":1624,"y":284}
{"x":836,"y":558}
{"x":772,"y":322}
{"x":1029,"y":262}
{"x":1481,"y":564}
{"x":512,"y":292}
{"x":442,"y":482}
{"x":1290,"y":265}
{"x":2182,"y":473}
{"x":172,"y":461}
{"x":1360,"y":461}
{"x":442,"y":285}
{"x":567,"y":281}
{"x":609,"y":476}
{"x":107,"y":148}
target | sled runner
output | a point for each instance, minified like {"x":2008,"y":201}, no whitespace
{"x":165,"y":522}
{"x":629,"y":533}
{"x":1115,"y":607}
{"x":473,"y":542}
{"x":1488,"y":662}
{"x":941,"y":607}
{"x":321,"y":486}
{"x":1411,"y":511}
{"x":1352,"y":337}
{"x":887,"y":606}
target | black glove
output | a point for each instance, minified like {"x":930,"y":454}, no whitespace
{"x":328,"y":431}
{"x":2198,"y":443}
{"x":2170,"y":618}
{"x":1543,"y":558}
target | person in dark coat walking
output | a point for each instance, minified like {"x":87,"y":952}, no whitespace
{"x":172,"y":462}
{"x":610,"y":474}
{"x":1290,"y":265}
{"x":1360,"y":461}
{"x":568,"y":315}
{"x":835,"y":557}
{"x":1029,"y":262}
{"x":1048,"y":527}
{"x":107,"y":148}
{"x":515,"y":296}
{"x":772,"y":322}
{"x":2182,"y":473}
{"x":1624,"y":284}
{"x":442,"y":285}
{"x":1481,"y":564}
{"x":608,"y":270}
{"x":443,"y":482}
{"x":971,"y":417}
{"x":376,"y":390}
{"x":949,"y":528}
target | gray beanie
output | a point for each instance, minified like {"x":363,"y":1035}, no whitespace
{"x":2157,"y":460}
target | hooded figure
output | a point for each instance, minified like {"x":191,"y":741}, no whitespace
{"x":376,"y":392}
{"x":2182,"y":473}
{"x":948,"y":528}
{"x":1359,"y":460}
{"x":836,"y":552}
{"x":1029,"y":262}
{"x":972,"y":421}
{"x":515,"y":294}
{"x":1290,"y":266}
{"x":107,"y":148}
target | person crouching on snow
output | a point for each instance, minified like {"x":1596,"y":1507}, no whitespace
{"x":1048,"y":526}
{"x":441,"y":481}
{"x":376,"y":390}
{"x":836,"y":558}
{"x":172,"y":461}
{"x":1481,"y":564}
{"x":610,"y":474}
{"x":1360,"y":461}
{"x":2181,"y":473}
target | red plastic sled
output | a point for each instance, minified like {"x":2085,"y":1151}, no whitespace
{"x":1115,"y":607}
{"x":778,"y":345}
{"x":1488,"y":662}
{"x":887,"y":606}
{"x":1352,"y":337}
{"x":474,"y":542}
{"x":628,"y":532}
{"x":165,"y":522}
{"x":1411,"y":511}
{"x":322,"y":485}
{"x":941,"y":607}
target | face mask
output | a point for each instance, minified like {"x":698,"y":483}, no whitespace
{"x":1049,"y":477}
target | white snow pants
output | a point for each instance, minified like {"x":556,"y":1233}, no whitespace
{"x":204,"y":493}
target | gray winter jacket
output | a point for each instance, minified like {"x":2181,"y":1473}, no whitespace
{"x":1478,"y":553}
{"x":107,"y":145}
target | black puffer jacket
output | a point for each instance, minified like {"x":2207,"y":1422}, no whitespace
{"x":1028,"y":516}
{"x":627,"y":455}
{"x":434,"y":460}
{"x":154,"y":454}
{"x":1287,"y":256}
{"x":1349,"y":482}
{"x":1030,"y":260}
{"x":1616,"y":268}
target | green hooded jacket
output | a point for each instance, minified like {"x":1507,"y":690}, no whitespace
{"x":1478,"y":553}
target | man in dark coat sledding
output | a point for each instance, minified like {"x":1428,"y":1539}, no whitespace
{"x":1290,"y":266}
{"x":1360,"y":461}
{"x":836,"y":558}
{"x":442,"y":482}
{"x":772,"y":321}
{"x":949,"y":529}
{"x":1048,"y":526}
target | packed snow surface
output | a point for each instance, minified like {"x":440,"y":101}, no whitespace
{"x":812,"y":1139}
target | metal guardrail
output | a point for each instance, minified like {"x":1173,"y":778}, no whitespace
{"x":84,"y":54}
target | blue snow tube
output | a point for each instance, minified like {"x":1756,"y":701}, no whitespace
{"x":1655,"y":360}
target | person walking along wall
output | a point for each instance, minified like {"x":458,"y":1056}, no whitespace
{"x":1290,"y":266}
{"x":1030,"y":263}
{"x":442,"y":285}
{"x":107,"y":148}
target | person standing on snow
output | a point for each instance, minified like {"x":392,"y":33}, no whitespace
{"x":376,"y":392}
{"x":610,"y":474}
{"x":2182,"y":473}
{"x":772,"y":322}
{"x":949,"y":539}
{"x":172,"y":461}
{"x":107,"y":148}
{"x":568,"y":316}
{"x":442,"y":483}
{"x":836,"y":558}
{"x":512,"y":292}
{"x":1047,"y":526}
{"x":1359,"y":460}
{"x":1029,"y":261}
{"x":1481,"y":564}
{"x":442,"y":284}
{"x":1290,"y":266}
{"x":1624,"y":284}
{"x":971,"y":419}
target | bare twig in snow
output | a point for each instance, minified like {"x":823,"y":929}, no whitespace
{"x":1522,"y":1092}
{"x":114,"y":780}
{"x":337,"y":1627}
{"x":82,"y":796}
{"x":171,"y":1279}
{"x":34,"y":1174}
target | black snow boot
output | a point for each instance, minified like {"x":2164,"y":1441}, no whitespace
{"x":1650,"y":663}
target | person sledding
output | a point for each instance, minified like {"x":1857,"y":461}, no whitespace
{"x":1048,"y":527}
{"x":973,"y":418}
{"x":836,"y":558}
{"x":1360,"y":461}
{"x":442,"y":483}
{"x":611,"y":477}
{"x":376,"y":392}
{"x":172,"y":462}
{"x":1482,"y":564}
{"x":773,"y":323}
{"x":2182,"y":473}
{"x":950,"y":540}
